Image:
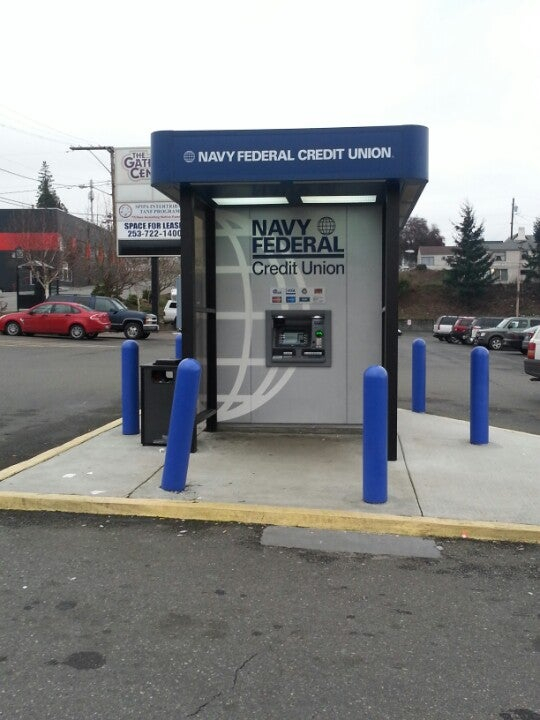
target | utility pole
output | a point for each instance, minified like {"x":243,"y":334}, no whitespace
{"x":110,"y":169}
{"x":514,"y":211}
{"x":520,"y":244}
{"x":91,"y":198}
{"x":154,"y":261}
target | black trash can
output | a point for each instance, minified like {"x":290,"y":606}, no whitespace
{"x":157,"y":390}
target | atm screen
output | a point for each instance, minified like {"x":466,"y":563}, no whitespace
{"x":292,"y":338}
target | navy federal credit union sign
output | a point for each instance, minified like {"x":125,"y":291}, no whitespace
{"x":373,"y":153}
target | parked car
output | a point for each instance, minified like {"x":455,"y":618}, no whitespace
{"x":169,"y":312}
{"x":55,"y":318}
{"x":508,"y":333}
{"x":527,"y":337}
{"x":461,"y":331}
{"x":134,"y":324}
{"x":442,"y":328}
{"x":531,"y":364}
{"x":483,"y":322}
{"x":514,"y":337}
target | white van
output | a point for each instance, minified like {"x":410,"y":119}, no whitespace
{"x":169,"y":312}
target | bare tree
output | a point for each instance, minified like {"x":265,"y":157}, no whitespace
{"x":113,"y":275}
{"x":169,"y":269}
{"x":415,"y":234}
{"x":41,"y":250}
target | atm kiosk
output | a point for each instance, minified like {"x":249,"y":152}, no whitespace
{"x":290,"y":259}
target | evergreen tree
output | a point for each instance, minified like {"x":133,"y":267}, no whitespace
{"x":47,"y":197}
{"x":470,"y":265}
{"x":531,"y":268}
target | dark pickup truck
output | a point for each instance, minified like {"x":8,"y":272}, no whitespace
{"x":134,"y":324}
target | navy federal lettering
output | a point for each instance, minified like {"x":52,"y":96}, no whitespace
{"x":215,"y":155}
{"x":278,"y":227}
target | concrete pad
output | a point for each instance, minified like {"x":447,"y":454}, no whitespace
{"x":496,"y":482}
{"x":295,"y":470}
{"x":440,"y":485}
{"x":109,"y":464}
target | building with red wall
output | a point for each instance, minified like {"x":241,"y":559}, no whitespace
{"x":44,"y":234}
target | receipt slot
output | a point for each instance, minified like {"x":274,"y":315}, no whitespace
{"x":298,"y":338}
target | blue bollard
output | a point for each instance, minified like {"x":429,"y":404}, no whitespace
{"x":181,"y":425}
{"x":419,"y":375}
{"x":375,"y":435}
{"x":479,"y":410}
{"x":178,"y":346}
{"x":130,"y":387}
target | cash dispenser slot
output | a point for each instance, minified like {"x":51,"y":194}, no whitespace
{"x":298,"y":338}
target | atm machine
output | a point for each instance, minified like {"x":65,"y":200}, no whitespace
{"x":298,"y":338}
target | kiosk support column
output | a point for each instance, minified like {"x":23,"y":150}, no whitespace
{"x":187,"y":271}
{"x":390,"y":308}
{"x":187,"y":263}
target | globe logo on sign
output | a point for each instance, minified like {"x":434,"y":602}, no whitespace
{"x":326,"y":225}
{"x":189,"y":156}
{"x":124,"y":211}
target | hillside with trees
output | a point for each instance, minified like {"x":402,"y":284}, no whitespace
{"x":424,"y":295}
{"x":467,"y":287}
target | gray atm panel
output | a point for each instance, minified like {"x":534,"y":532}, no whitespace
{"x":298,"y":337}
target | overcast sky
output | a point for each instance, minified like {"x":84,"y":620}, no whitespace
{"x":110,"y":73}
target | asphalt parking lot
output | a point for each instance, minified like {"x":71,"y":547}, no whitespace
{"x":514,"y":399}
{"x":54,"y":389}
{"x":126,"y":618}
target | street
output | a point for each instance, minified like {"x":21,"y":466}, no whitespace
{"x":126,"y":618}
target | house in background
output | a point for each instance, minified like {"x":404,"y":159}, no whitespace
{"x":507,"y":256}
{"x":45,"y":233}
{"x":434,"y":257}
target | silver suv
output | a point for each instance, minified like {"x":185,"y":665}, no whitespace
{"x":442,"y":329}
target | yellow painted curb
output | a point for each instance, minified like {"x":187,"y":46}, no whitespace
{"x":272,"y":515}
{"x":53,"y":452}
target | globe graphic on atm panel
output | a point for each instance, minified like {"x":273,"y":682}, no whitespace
{"x":232,"y":402}
{"x":326,"y":226}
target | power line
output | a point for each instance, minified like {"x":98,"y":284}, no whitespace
{"x":33,"y":134}
{"x":25,"y":177}
{"x":17,"y":203}
{"x":16,"y":192}
{"x":38,"y":124}
{"x":91,"y":148}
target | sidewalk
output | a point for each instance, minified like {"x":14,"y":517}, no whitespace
{"x":440,"y":485}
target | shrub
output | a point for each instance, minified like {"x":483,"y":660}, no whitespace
{"x":404,"y":286}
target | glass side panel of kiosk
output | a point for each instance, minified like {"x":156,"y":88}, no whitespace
{"x":296,"y":337}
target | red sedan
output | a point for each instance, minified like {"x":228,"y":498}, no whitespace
{"x":56,"y":318}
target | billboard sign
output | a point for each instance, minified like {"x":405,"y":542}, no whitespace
{"x":147,"y":222}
